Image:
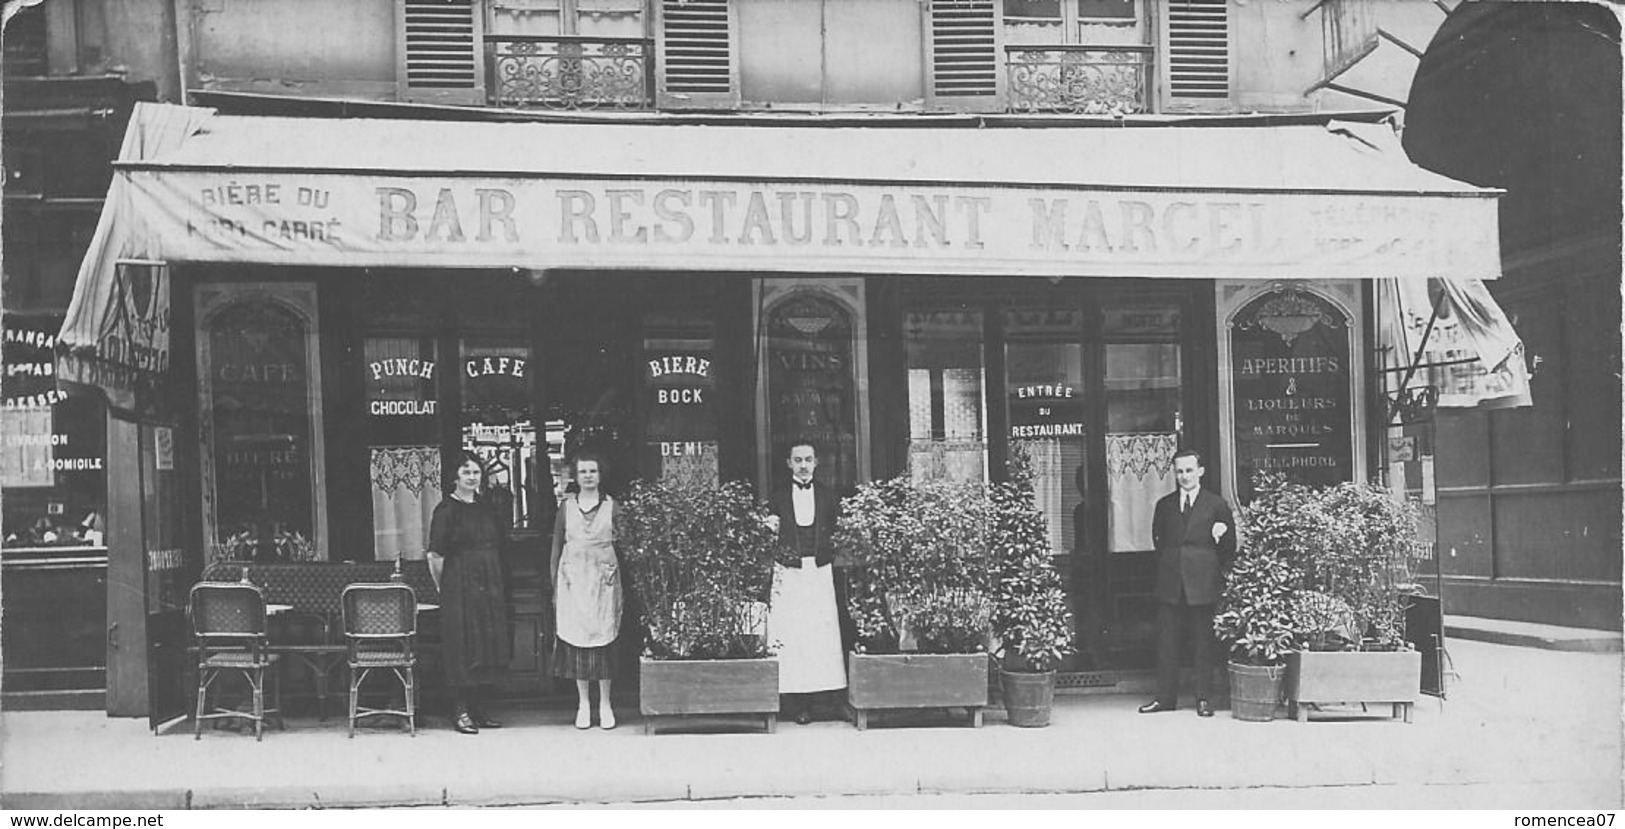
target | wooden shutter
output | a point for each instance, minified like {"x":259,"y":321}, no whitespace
{"x":1198,"y":54}
{"x":439,"y":51}
{"x":966,"y":71}
{"x":698,"y":52}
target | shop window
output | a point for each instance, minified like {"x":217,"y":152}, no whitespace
{"x":1143,"y":423}
{"x":52,"y":447}
{"x":498,"y":424}
{"x":812,"y":387}
{"x":947,"y":408}
{"x":679,"y":383}
{"x":1044,"y":396}
{"x":403,"y":425}
{"x":264,"y":490}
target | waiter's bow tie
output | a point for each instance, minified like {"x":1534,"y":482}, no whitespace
{"x":800,"y":485}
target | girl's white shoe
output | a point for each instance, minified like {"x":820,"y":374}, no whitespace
{"x":606,"y":717}
{"x":583,"y":717}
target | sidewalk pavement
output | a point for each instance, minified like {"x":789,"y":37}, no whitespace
{"x":1532,"y":635}
{"x":1528,"y":725}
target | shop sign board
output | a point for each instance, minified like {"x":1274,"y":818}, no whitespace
{"x":1290,"y":371}
{"x":679,"y":390}
{"x":387,"y":219}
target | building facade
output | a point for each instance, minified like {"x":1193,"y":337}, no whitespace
{"x":684,"y":232}
{"x":1530,"y":498}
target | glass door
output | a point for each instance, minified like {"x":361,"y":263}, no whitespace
{"x":1047,"y":427}
{"x":1143,"y":390}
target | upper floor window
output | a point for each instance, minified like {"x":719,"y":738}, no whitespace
{"x":1084,"y":56}
{"x":1073,"y":21}
{"x":1079,"y":56}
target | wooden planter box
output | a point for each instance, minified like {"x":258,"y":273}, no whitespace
{"x":677,"y":688}
{"x":1391,"y":677}
{"x":877,"y":682}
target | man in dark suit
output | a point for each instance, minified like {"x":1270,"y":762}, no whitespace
{"x":803,"y":625}
{"x":1195,"y":536}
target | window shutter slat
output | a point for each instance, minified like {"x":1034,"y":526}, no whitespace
{"x":439,"y":52}
{"x":697,"y":54}
{"x":1198,"y":50}
{"x":962,"y":54}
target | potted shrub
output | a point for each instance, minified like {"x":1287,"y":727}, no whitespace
{"x":701,"y":562}
{"x":1351,"y":603}
{"x":1031,"y":622}
{"x":918,"y":593}
{"x":1256,"y":620}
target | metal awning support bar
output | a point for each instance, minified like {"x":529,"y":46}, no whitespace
{"x":1462,"y":361}
{"x":1388,"y":36}
{"x":1360,"y":93}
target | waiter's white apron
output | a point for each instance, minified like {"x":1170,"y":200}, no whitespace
{"x":802,"y":628}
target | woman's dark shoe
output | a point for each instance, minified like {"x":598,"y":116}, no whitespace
{"x":465,"y":724}
{"x":484,"y":721}
{"x":803,"y":717}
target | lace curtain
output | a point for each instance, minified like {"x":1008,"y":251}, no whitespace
{"x":1139,"y":470}
{"x":405,"y":490}
{"x":937,"y":460}
{"x":692,"y":470}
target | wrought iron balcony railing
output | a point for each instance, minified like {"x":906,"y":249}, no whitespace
{"x":1079,"y":79}
{"x":564,"y":72}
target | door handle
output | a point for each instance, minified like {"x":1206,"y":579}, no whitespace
{"x":112,"y":635}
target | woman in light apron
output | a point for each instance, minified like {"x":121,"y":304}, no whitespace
{"x":586,"y":591}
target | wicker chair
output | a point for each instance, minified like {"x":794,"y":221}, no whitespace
{"x":228,"y":628}
{"x":380,"y":622}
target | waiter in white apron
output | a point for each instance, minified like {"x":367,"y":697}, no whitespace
{"x":803,"y":625}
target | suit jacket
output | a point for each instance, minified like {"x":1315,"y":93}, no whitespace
{"x":1189,"y":564}
{"x":826,"y":508}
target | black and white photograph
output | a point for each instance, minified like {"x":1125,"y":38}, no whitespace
{"x":1205,"y":405}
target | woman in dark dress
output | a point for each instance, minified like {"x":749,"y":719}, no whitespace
{"x":477,"y":644}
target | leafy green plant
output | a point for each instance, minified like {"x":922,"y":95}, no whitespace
{"x":918,"y":565}
{"x":1354,"y":577}
{"x":1258,"y":614}
{"x":701,"y":562}
{"x":1031,"y":620}
{"x":1257,"y":618}
{"x":1320,"y":569}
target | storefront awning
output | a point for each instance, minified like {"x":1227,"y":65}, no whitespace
{"x":1338,"y":201}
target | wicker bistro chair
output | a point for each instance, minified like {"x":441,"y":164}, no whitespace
{"x":380,"y":623}
{"x":228,"y":627}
